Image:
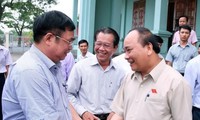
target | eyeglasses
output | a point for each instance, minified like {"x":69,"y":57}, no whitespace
{"x":69,"y":41}
{"x":105,"y":45}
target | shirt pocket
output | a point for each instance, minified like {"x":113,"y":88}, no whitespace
{"x":112,"y":90}
{"x":156,"y":102}
{"x":187,"y":57}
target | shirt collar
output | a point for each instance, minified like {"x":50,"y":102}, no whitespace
{"x":94,"y":62}
{"x":48,"y":62}
{"x":155,"y":73}
{"x":187,"y":45}
{"x":87,"y":54}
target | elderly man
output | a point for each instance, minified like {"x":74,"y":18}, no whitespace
{"x":154,"y":91}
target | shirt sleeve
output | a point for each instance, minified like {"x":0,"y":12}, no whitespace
{"x":193,"y":36}
{"x":8,"y":58}
{"x":191,"y":75}
{"x":74,"y":83}
{"x":176,"y":37}
{"x":180,"y":101}
{"x":117,"y":105}
{"x":35,"y":97}
{"x":169,"y":56}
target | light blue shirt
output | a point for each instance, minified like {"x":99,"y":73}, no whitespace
{"x":192,"y":75}
{"x":91,"y":88}
{"x":179,"y":56}
{"x":34,"y":89}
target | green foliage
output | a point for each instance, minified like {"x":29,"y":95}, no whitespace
{"x":21,"y":16}
{"x":42,"y":4}
{"x":21,"y":13}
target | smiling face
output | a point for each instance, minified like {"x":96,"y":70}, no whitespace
{"x":83,"y":48}
{"x":104,"y":47}
{"x":135,"y":53}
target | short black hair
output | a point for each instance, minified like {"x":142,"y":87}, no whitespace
{"x":52,"y":21}
{"x":159,"y":39}
{"x":82,"y":41}
{"x":185,"y":27}
{"x":108,"y":30}
{"x":153,"y":39}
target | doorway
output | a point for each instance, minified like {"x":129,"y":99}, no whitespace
{"x":177,"y":8}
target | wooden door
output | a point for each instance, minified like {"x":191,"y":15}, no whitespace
{"x":185,"y":7}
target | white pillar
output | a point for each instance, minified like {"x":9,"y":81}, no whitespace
{"x":7,"y":39}
{"x":160,"y":15}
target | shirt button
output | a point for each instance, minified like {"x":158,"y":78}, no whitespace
{"x":141,"y":86}
{"x":137,"y":101}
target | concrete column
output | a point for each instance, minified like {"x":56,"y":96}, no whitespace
{"x":75,"y":20}
{"x":86,"y":21}
{"x":149,"y":14}
{"x":117,"y":19}
{"x":160,"y":15}
{"x":75,"y":12}
{"x":156,"y":20}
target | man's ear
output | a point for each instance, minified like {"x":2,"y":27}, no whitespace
{"x":48,"y":38}
{"x":149,"y":49}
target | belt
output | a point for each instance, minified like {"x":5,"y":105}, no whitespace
{"x":193,"y":107}
{"x":102,"y":116}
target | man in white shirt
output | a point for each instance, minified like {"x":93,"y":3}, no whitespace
{"x":192,"y":75}
{"x":93,"y":82}
{"x":83,"y":46}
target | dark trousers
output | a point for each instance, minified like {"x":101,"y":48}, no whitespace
{"x":195,"y":113}
{"x":2,"y":81}
{"x":102,"y":116}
